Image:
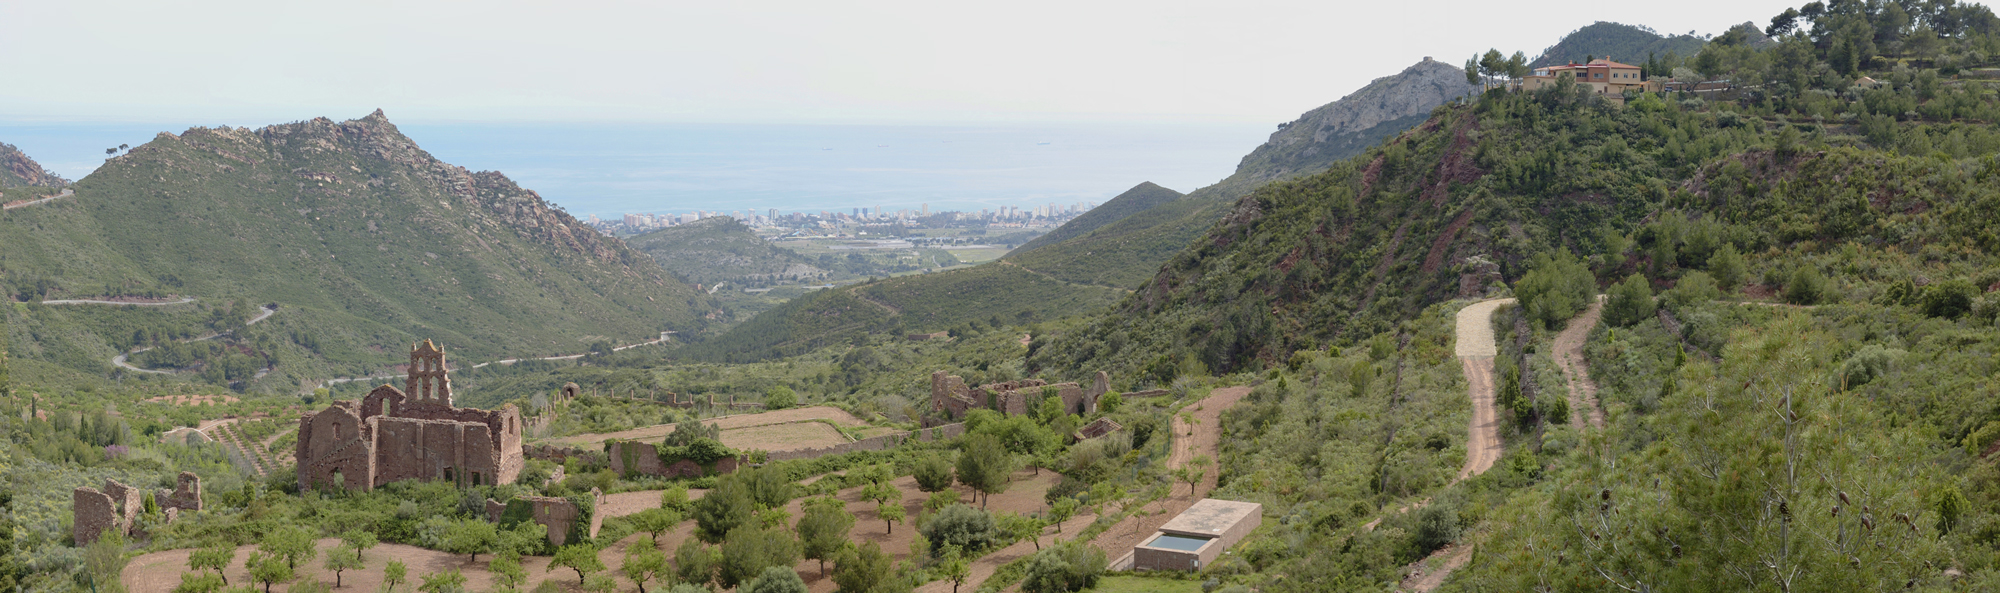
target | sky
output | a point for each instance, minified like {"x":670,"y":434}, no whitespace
{"x":771,"y":61}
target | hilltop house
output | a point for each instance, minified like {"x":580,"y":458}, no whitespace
{"x":1604,"y":77}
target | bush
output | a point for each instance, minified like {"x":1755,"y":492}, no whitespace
{"x":776,"y":579}
{"x":779,"y":398}
{"x":1694,"y":288}
{"x":1806,"y":286}
{"x":959,"y":525}
{"x":1437,"y":525}
{"x":1630,"y":302}
{"x":1868,"y":364}
{"x":1071,"y":566}
{"x":1950,"y":299}
{"x":1726,"y":265}
{"x":750,"y":550}
{"x":1556,"y":287}
{"x":933,"y":473}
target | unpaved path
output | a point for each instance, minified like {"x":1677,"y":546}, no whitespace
{"x":119,"y":360}
{"x":1569,"y":357}
{"x":1203,"y":438}
{"x":1476,"y":350}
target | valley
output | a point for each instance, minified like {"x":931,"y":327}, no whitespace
{"x":1727,"y":319}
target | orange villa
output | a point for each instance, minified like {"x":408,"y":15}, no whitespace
{"x":1604,"y":77}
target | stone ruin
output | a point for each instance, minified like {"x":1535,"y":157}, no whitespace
{"x":411,"y":434}
{"x":118,"y":506}
{"x":1097,"y":428}
{"x":558,"y":514}
{"x":951,"y":398}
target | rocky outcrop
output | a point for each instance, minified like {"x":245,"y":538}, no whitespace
{"x":1344,"y":128}
{"x":17,"y":170}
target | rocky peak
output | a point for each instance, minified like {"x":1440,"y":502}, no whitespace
{"x":17,"y":170}
{"x":1343,"y":128}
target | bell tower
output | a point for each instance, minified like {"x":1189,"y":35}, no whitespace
{"x":427,"y":378}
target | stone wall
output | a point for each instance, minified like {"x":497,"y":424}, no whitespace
{"x":880,"y":443}
{"x":646,"y":460}
{"x":117,"y":507}
{"x":559,"y":515}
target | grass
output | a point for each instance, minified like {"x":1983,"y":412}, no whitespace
{"x":1146,"y":584}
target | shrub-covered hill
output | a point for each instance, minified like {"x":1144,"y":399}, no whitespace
{"x":365,"y":243}
{"x":1125,"y":253}
{"x":18,"y":170}
{"x":1620,"y":42}
{"x":1140,"y":198}
{"x":719,"y":249}
{"x":1462,"y":202}
{"x":982,"y":297}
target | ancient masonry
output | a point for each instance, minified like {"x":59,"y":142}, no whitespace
{"x":558,"y":514}
{"x":408,"y":434}
{"x":118,"y":506}
{"x":951,"y":398}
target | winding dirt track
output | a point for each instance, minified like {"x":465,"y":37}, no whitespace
{"x":1569,"y":356}
{"x":1475,"y":351}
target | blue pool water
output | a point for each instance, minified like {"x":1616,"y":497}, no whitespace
{"x":1178,"y":542}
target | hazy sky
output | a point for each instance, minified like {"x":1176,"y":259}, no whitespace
{"x":256,"y":62}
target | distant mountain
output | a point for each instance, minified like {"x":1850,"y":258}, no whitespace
{"x":1140,"y":198}
{"x":1126,"y":253}
{"x":17,"y":170}
{"x":1619,"y":42}
{"x":364,"y":242}
{"x":720,"y":249}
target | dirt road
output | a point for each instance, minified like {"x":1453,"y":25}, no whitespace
{"x":1569,"y":356}
{"x":1476,"y":350}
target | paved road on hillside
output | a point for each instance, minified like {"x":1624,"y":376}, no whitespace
{"x":66,"y":192}
{"x":183,"y":301}
{"x":119,"y":360}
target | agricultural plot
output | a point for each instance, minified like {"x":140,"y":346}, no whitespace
{"x":795,"y":428}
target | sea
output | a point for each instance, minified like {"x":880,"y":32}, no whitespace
{"x":612,"y":169}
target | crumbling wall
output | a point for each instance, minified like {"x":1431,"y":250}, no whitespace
{"x":185,"y":495}
{"x":95,"y":512}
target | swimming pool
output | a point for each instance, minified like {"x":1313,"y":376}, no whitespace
{"x":1178,"y":542}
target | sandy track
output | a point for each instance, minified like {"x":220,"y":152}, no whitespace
{"x":1476,"y":350}
{"x":1569,"y":357}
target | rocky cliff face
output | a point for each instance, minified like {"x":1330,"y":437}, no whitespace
{"x":17,"y":170}
{"x":1344,"y":128}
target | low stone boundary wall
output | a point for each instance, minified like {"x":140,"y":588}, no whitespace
{"x":887,"y":441}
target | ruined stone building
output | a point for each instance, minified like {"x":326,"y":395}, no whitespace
{"x":951,"y":398}
{"x":409,"y":434}
{"x":117,"y":506}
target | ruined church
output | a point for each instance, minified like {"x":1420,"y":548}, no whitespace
{"x":409,"y":434}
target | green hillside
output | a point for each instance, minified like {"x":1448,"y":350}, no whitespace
{"x":982,"y":297}
{"x":1140,"y":198}
{"x":1340,"y":256}
{"x":1126,"y":253}
{"x":363,"y":241}
{"x":719,"y":249}
{"x":1619,"y":42}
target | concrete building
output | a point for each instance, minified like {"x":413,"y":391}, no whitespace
{"x":1198,"y":536}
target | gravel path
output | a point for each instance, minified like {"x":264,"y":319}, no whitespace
{"x":182,"y":301}
{"x":1569,"y":356}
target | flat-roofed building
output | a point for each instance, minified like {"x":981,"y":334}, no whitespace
{"x":1198,"y":536}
